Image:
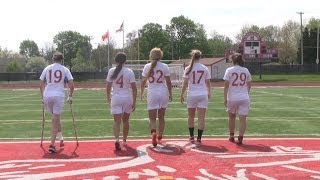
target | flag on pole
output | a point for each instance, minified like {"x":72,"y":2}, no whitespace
{"x":105,"y":36}
{"x":121,"y":28}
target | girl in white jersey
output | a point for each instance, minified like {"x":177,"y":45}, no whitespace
{"x":122,"y":103}
{"x":52,"y":81}
{"x":236,"y":95}
{"x":197,"y":79}
{"x":159,"y":92}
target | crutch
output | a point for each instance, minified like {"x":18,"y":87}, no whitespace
{"x":42,"y":125}
{"x":74,"y":125}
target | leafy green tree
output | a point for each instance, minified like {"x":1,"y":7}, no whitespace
{"x":14,"y":67}
{"x":309,"y":46}
{"x":313,"y":23}
{"x":99,"y":57}
{"x":48,"y":51}
{"x":288,"y":45}
{"x":218,"y":44}
{"x":36,"y":64}
{"x":186,"y":35}
{"x":29,"y":48}
{"x":80,"y":64}
{"x":131,"y":48}
{"x":270,"y":34}
{"x":152,"y":35}
{"x":245,"y":29}
{"x":69,"y":42}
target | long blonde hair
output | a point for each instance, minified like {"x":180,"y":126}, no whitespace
{"x":195,"y":55}
{"x":155,"y":55}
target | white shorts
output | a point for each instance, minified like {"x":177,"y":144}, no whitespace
{"x":157,"y":102}
{"x":197,"y":101}
{"x":54,"y":104}
{"x":241,"y":107}
{"x":121,"y":105}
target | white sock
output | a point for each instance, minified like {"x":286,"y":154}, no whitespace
{"x":59,"y":135}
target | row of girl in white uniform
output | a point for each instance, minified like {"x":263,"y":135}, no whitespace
{"x":159,"y":92}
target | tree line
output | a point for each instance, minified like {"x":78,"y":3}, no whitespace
{"x":176,"y":40}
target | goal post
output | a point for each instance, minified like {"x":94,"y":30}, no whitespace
{"x":176,"y":70}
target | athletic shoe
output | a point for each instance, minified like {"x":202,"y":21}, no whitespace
{"x":52,"y":149}
{"x":154,"y":139}
{"x":198,"y":142}
{"x":159,"y":139}
{"x":117,"y":146}
{"x":124,"y":143}
{"x":61,"y":143}
{"x":240,"y":139}
{"x":191,"y":139}
{"x":231,"y":138}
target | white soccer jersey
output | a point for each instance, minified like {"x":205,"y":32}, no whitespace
{"x":238,"y":88}
{"x":54,"y":76}
{"x":197,"y":80}
{"x":122,"y":83}
{"x":157,"y":82}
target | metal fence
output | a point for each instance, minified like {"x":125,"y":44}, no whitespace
{"x":92,"y":76}
{"x":256,"y":68}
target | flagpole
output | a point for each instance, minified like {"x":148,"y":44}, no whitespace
{"x":108,"y":50}
{"x":138,"y":47}
{"x":123,"y":39}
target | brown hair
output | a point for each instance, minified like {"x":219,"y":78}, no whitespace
{"x":120,"y":59}
{"x":237,"y":59}
{"x":57,"y":57}
{"x":195,"y":55}
{"x":155,"y":55}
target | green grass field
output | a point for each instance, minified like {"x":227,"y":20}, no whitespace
{"x":287,"y":78}
{"x":275,"y":111}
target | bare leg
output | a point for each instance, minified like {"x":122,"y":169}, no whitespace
{"x":116,"y":126}
{"x":116,"y":129}
{"x":201,"y":122}
{"x":191,"y":115}
{"x":232,"y":125}
{"x":242,"y":125}
{"x":125,"y":130}
{"x":153,"y":125}
{"x":152,"y":119}
{"x":161,"y":114}
{"x":55,"y":126}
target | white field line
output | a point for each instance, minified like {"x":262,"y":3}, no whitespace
{"x":290,"y":119}
{"x":16,"y":97}
{"x":169,"y":109}
{"x":287,"y":95}
{"x":48,"y":166}
{"x":146,"y":139}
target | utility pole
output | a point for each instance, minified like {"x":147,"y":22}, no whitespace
{"x":317,"y":60}
{"x":300,"y":13}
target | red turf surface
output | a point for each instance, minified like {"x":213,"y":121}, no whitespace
{"x":176,"y":158}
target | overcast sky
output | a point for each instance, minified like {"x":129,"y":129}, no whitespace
{"x":41,"y":20}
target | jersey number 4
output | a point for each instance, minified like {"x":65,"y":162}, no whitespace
{"x":120,"y":81}
{"x":55,"y":77}
{"x":242,"y":77}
